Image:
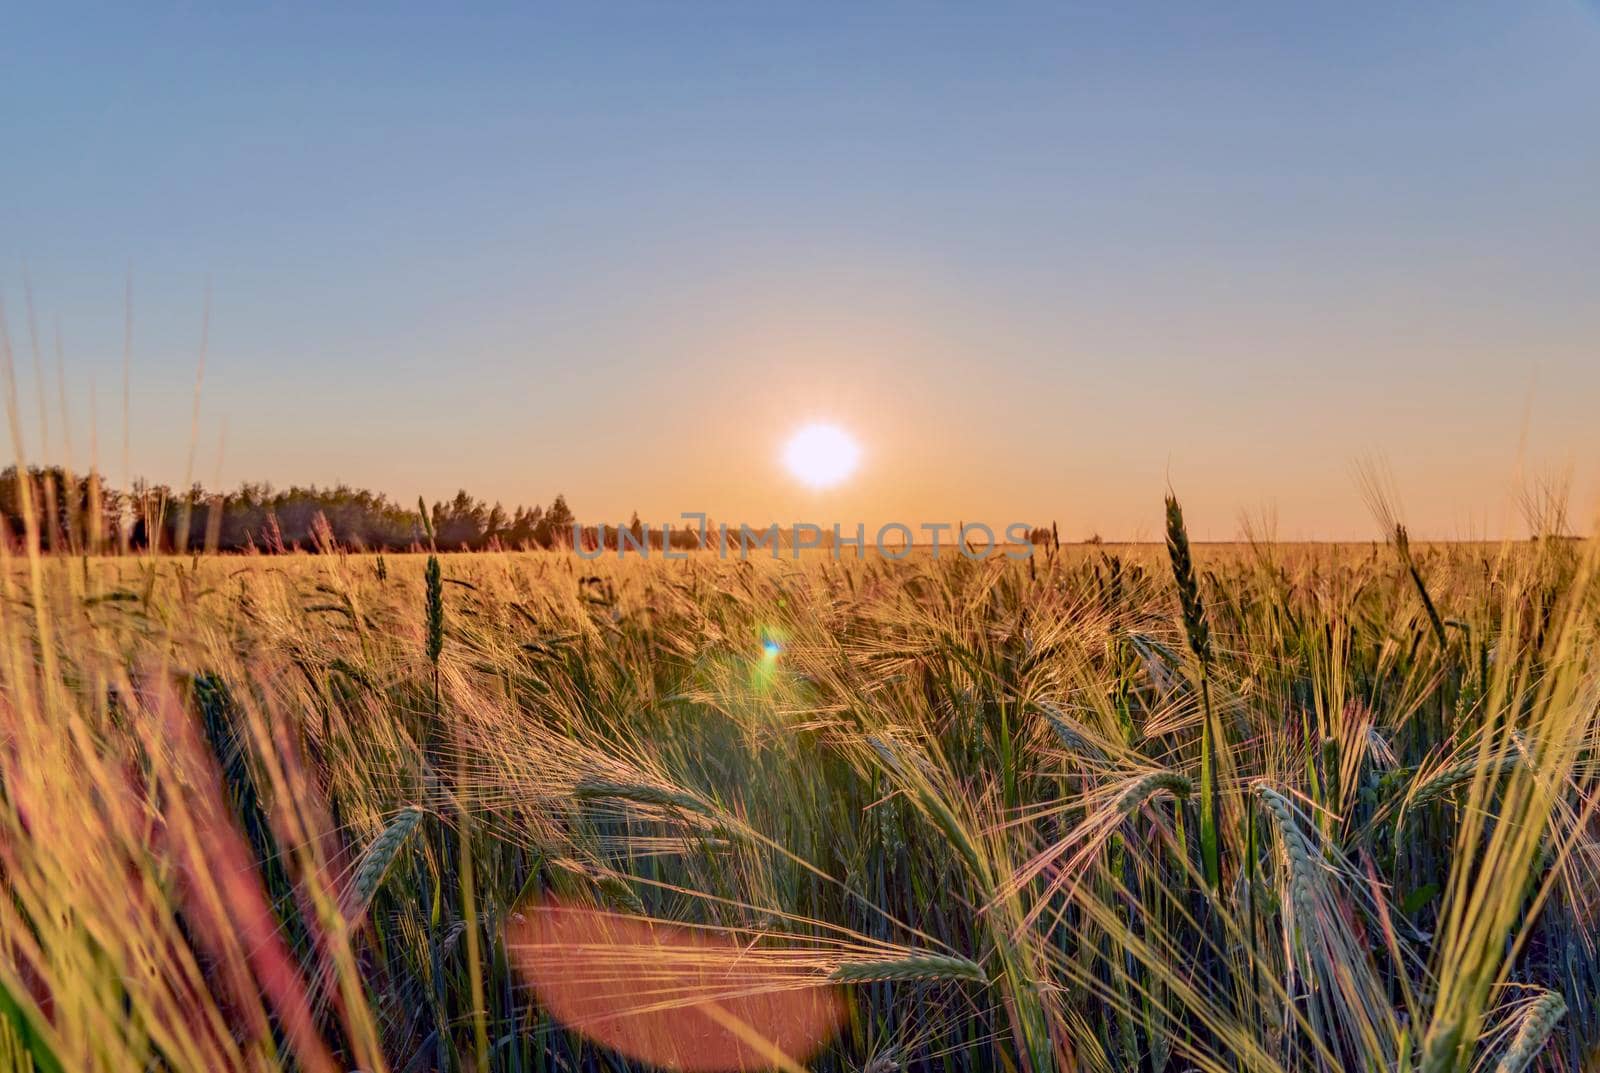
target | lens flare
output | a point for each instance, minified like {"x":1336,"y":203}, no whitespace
{"x":686,"y":999}
{"x":764,"y":668}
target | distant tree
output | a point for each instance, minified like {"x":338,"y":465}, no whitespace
{"x":495,"y":526}
{"x":525,"y":526}
{"x":557,"y":524}
{"x":72,"y":512}
{"x":462,"y":523}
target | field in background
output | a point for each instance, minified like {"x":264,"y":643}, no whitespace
{"x":1236,"y":808}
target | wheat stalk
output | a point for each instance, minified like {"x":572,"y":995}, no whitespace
{"x":641,"y":793}
{"x":1302,"y":861}
{"x":1069,"y":734}
{"x":1537,"y":1022}
{"x":1194,"y":611}
{"x":620,"y":893}
{"x":914,"y":967}
{"x":1447,"y":780}
{"x":435,"y":612}
{"x":1402,"y":545}
{"x":1142,"y":790}
{"x":379,"y":857}
{"x":1199,"y":635}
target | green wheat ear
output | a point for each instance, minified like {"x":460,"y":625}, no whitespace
{"x":1069,"y":733}
{"x":637,"y":792}
{"x":1147,"y":786}
{"x":1194,"y":611}
{"x":1402,"y":545}
{"x":915,"y":967}
{"x":620,"y":894}
{"x":1538,"y":1021}
{"x":380,"y":857}
{"x":427,"y":524}
{"x":1449,"y":779}
{"x":435,"y":609}
{"x":1199,"y":635}
{"x":1303,"y":870}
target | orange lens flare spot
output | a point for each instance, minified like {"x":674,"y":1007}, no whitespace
{"x":675,"y":997}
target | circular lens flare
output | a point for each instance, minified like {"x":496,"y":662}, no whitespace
{"x":821,"y":455}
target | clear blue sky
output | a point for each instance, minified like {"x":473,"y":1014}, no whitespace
{"x":1040,"y":262}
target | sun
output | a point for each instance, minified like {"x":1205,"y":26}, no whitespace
{"x":821,"y":455}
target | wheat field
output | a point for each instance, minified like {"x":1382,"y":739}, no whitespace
{"x":1248,"y":808}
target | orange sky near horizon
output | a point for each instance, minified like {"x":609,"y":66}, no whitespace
{"x":1042,"y":265}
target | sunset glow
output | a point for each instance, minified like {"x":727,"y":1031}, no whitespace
{"x":821,"y":455}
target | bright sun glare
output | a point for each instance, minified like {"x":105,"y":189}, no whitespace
{"x":821,"y":455}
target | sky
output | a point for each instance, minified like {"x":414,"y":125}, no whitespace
{"x":1043,"y":262}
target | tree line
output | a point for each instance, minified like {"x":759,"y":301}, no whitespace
{"x":76,"y":513}
{"x":82,"y":513}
